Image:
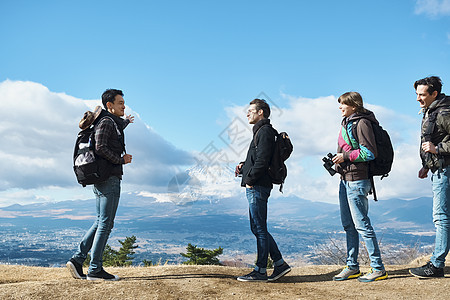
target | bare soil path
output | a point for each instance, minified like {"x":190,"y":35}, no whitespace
{"x":214,"y":282}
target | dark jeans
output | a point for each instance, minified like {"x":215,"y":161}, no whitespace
{"x":257,"y":197}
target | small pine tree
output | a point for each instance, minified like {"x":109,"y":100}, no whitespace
{"x":121,"y":258}
{"x":125,"y":253}
{"x":110,"y":257}
{"x":201,"y":256}
{"x":147,"y":263}
{"x":87,"y":261}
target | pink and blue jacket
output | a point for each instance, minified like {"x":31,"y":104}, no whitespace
{"x":357,"y":150}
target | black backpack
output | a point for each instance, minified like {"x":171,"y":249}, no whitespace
{"x":382,"y":164}
{"x":89,"y":168}
{"x":282,"y":150}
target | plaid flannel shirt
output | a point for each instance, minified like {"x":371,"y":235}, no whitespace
{"x":105,"y":131}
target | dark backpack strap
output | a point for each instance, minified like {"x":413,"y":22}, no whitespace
{"x":430,"y":126}
{"x":372,"y":189}
{"x":354,"y":131}
{"x":254,"y":138}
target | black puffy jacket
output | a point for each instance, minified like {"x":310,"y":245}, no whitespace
{"x":256,"y":166}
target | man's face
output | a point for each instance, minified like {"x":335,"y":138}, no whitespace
{"x":117,"y":107}
{"x":253,"y":115}
{"x":346,"y":110}
{"x":423,"y":97}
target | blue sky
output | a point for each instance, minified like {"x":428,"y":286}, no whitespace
{"x":187,"y":67}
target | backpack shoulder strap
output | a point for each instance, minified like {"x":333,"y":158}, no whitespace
{"x":254,"y":137}
{"x":431,"y":124}
{"x":115,"y":125}
{"x":354,"y":129}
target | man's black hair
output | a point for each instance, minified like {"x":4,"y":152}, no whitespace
{"x":109,"y":96}
{"x":262,"y":104}
{"x":434,"y":83}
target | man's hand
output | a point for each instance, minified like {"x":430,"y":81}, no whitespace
{"x":429,"y":147}
{"x":127,"y":158}
{"x":237,"y":171}
{"x":338,"y":158}
{"x":130,"y":117}
{"x":423,"y":173}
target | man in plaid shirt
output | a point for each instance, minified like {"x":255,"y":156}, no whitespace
{"x":110,"y":147}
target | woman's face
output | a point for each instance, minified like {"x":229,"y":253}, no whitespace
{"x":346,"y":110}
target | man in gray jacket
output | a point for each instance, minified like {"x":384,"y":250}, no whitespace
{"x":435,"y":155}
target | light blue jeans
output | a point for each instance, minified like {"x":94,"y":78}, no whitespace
{"x":354,"y":207}
{"x":107,"y":194}
{"x":257,"y":197}
{"x":441,"y":215}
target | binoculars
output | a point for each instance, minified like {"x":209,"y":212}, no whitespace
{"x":328,"y":164}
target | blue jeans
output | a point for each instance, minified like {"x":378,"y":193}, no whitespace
{"x":257,"y":197}
{"x":441,"y":215}
{"x":354,"y":207}
{"x":107,"y":194}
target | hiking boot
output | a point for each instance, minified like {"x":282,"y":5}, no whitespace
{"x":347,"y":273}
{"x":427,"y":271}
{"x":254,"y":276}
{"x":102,"y":275}
{"x":75,"y":269}
{"x":279,"y":272}
{"x":373,"y":275}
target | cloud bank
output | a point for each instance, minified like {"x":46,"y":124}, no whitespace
{"x":38,"y":130}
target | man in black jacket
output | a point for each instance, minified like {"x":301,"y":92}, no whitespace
{"x":256,"y":180}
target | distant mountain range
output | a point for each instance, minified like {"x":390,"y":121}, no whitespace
{"x":47,"y":233}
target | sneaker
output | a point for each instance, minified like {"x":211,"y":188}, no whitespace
{"x":75,"y":269}
{"x":427,"y":271}
{"x":279,"y":272}
{"x":102,"y":275}
{"x":254,"y":276}
{"x":347,"y":273}
{"x":373,"y":275}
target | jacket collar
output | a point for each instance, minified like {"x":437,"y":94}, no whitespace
{"x":260,"y":124}
{"x":441,"y":100}
{"x":119,"y":121}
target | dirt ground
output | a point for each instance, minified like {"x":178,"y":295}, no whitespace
{"x":214,"y":282}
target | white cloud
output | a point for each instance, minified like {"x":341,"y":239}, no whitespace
{"x":39,"y":129}
{"x":433,"y":8}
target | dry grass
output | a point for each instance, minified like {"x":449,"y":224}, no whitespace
{"x":212,"y":282}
